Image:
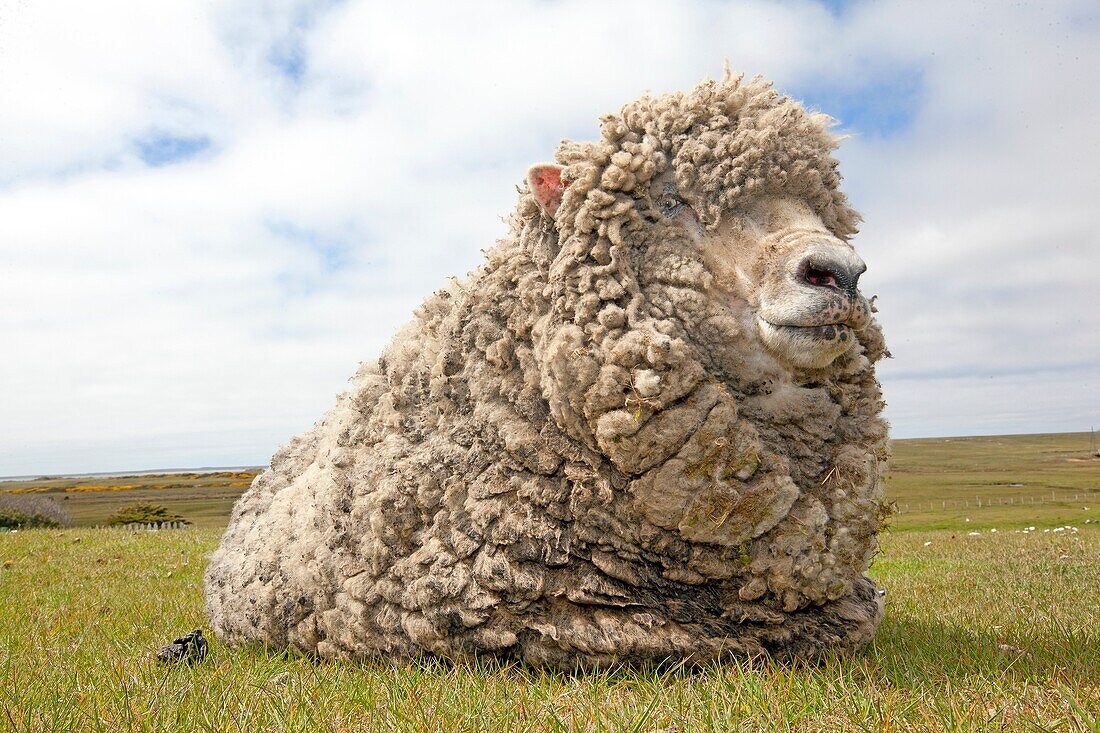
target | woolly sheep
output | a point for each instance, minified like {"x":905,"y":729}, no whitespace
{"x":647,"y":428}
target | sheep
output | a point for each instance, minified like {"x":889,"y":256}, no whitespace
{"x":646,"y":429}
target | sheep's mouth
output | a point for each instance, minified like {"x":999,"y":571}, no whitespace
{"x":829,"y":332}
{"x":807,"y":346}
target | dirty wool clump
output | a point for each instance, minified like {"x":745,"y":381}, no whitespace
{"x":587,"y":452}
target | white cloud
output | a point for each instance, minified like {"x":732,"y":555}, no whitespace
{"x":202,"y":311}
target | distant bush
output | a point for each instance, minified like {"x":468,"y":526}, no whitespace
{"x":24,"y":511}
{"x":144,"y":514}
{"x":12,"y":519}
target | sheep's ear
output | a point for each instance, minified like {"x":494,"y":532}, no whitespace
{"x":545,"y":182}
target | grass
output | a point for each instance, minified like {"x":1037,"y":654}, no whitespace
{"x":982,"y":633}
{"x":993,"y":631}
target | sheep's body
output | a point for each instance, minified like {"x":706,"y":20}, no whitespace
{"x":578,"y":456}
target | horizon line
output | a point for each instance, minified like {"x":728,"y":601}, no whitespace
{"x":216,"y":469}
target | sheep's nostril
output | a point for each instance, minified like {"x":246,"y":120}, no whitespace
{"x":836,"y":270}
{"x":821,"y":278}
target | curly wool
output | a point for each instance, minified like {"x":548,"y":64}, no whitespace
{"x":576,"y":456}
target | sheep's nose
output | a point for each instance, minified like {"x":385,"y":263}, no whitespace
{"x":832,"y":268}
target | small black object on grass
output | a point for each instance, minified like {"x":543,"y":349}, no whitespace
{"x":189,"y":648}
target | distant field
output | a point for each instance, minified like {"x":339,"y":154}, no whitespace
{"x":954,"y":474}
{"x":939,"y":482}
{"x":205,"y":499}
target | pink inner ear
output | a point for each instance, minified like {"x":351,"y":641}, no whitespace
{"x":546,"y":184}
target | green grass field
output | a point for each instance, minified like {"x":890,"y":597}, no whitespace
{"x":986,"y":631}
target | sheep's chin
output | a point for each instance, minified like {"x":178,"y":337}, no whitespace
{"x":806,"y":347}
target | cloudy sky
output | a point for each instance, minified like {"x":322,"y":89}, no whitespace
{"x":210,"y":213}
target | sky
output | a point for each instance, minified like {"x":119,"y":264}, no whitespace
{"x":210,"y":213}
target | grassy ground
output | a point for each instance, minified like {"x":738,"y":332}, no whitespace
{"x":985,"y":631}
{"x":991,"y":632}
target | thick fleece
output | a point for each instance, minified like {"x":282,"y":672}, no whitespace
{"x":580,"y":455}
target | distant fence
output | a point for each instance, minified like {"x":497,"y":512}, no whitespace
{"x":150,"y":527}
{"x":986,"y":502}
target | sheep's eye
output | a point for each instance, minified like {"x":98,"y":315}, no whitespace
{"x":670,"y":205}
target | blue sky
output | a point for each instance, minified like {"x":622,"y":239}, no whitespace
{"x":158,"y":148}
{"x":884,"y":105}
{"x":211,"y":213}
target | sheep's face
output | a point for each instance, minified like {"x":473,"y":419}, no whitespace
{"x":772,"y":260}
{"x":798,"y":279}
